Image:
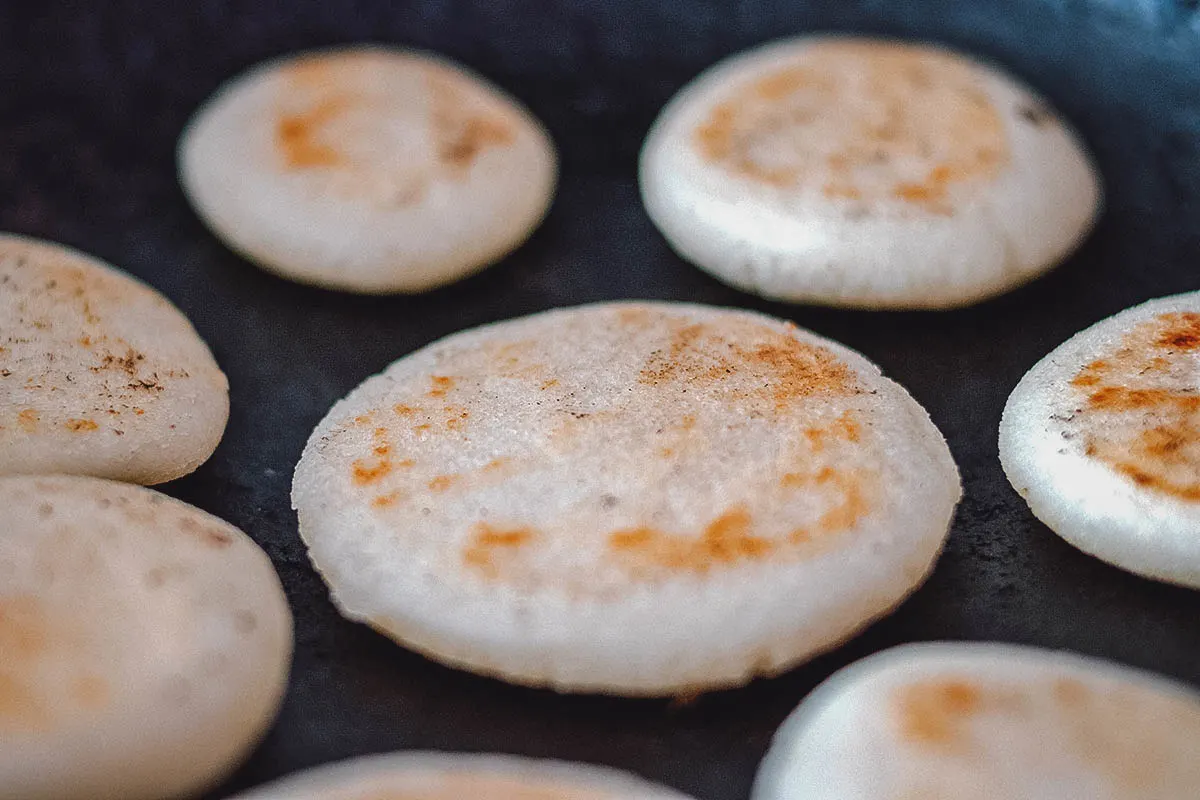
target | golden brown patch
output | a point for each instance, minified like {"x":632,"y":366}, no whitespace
{"x":495,"y":464}
{"x":488,"y":543}
{"x":20,"y":707}
{"x":936,"y":713}
{"x":365,"y":474}
{"x":25,"y":636}
{"x":862,"y":121}
{"x":28,"y":420}
{"x":776,"y":373}
{"x":379,"y":464}
{"x":460,"y":148}
{"x":298,"y":136}
{"x":1128,"y":736}
{"x":853,"y":505}
{"x":386,"y":500}
{"x":1070,"y":692}
{"x":462,"y":132}
{"x":81,"y":425}
{"x":726,"y":540}
{"x":1141,"y":414}
{"x":457,"y":419}
{"x":440,"y":385}
{"x":442,"y":482}
{"x":405,"y":411}
{"x":23,"y":628}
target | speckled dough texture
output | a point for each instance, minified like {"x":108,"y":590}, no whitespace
{"x":1102,"y":439}
{"x":442,"y":776}
{"x":988,"y":722}
{"x":867,"y":173}
{"x":99,"y":374}
{"x":367,"y":169}
{"x":634,"y":498}
{"x":144,"y":644}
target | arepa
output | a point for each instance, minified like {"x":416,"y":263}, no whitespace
{"x":144,"y":644}
{"x":99,"y":374}
{"x":367,"y":169}
{"x":632,"y":498}
{"x":868,"y":173}
{"x":988,"y":722}
{"x":1102,"y":439}
{"x":444,"y":776}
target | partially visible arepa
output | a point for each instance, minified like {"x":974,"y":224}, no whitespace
{"x":1102,"y":439}
{"x":446,"y":776}
{"x":367,"y":169}
{"x":987,"y":722}
{"x":633,"y":498}
{"x":868,"y":173}
{"x":144,"y":644}
{"x":99,"y":374}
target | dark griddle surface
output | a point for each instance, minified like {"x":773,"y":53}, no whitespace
{"x":91,"y":103}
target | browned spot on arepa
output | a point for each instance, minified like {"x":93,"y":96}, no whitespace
{"x":1141,"y":406}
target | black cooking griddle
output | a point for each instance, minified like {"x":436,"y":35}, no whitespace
{"x":93,"y":99}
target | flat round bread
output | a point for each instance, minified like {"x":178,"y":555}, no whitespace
{"x":632,"y":498}
{"x":444,"y":776}
{"x":99,"y":374}
{"x":987,"y":722}
{"x":867,"y":173}
{"x":144,"y":644}
{"x":367,"y":169}
{"x":1102,"y":439}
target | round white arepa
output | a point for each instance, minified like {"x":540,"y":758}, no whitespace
{"x":1102,"y":439}
{"x":987,"y":722}
{"x":99,"y":374}
{"x":144,"y":644}
{"x":867,"y":173}
{"x":631,"y":498}
{"x":445,"y":776}
{"x":367,"y":169}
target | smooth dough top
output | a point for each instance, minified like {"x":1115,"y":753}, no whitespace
{"x":445,"y":776}
{"x":1102,"y":437}
{"x":99,"y":374}
{"x":367,"y":169}
{"x":144,"y":644}
{"x":991,"y":722}
{"x":601,"y":455}
{"x":842,"y":170}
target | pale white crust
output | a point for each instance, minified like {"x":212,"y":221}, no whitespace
{"x":429,"y":772}
{"x":1081,"y":498}
{"x":396,"y":220}
{"x":146,"y":644}
{"x":842,"y":741}
{"x":99,"y":374}
{"x":803,"y":247}
{"x":583,"y":625}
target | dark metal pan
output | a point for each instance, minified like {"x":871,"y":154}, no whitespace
{"x":92,"y":99}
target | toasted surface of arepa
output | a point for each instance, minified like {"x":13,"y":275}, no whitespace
{"x":636,"y":498}
{"x":868,"y":173}
{"x":99,"y":374}
{"x":989,"y":722}
{"x":446,"y":776}
{"x":367,"y":169}
{"x":1102,"y":439}
{"x":144,"y":644}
